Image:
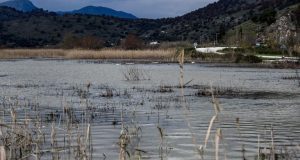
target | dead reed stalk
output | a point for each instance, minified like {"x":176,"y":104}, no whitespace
{"x":54,"y":151}
{"x":161,"y":148}
{"x":209,"y":130}
{"x":2,"y":149}
{"x":183,"y":102}
{"x":123,"y":140}
{"x":218,"y":135}
{"x":258,"y":147}
{"x":218,"y":138}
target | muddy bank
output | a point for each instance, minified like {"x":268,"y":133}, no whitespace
{"x":166,"y":61}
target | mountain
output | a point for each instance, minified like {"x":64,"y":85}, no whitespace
{"x":27,"y":6}
{"x":21,"y":5}
{"x":92,"y":10}
{"x":205,"y":25}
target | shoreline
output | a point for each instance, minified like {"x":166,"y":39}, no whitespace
{"x":131,"y":56}
{"x":161,"y":61}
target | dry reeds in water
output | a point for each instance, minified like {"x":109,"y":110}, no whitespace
{"x":218,"y":135}
{"x":129,"y":141}
{"x":209,"y":130}
{"x":163,"y":149}
{"x":24,"y":138}
{"x":183,"y":101}
{"x":2,"y":149}
{"x":218,"y":138}
{"x":217,"y":110}
{"x":134,"y":73}
{"x":55,"y":153}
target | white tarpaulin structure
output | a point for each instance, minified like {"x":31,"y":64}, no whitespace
{"x":212,"y":49}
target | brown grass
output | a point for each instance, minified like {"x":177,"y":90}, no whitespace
{"x":31,"y":53}
{"x":88,"y":54}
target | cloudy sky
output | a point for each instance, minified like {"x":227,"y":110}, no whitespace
{"x":140,"y":8}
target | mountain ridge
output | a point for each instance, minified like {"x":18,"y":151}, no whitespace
{"x":21,"y":5}
{"x":99,"y":10}
{"x":28,"y":6}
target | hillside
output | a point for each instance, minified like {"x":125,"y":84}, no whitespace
{"x":205,"y":24}
{"x":262,"y":26}
{"x":92,"y":10}
{"x":41,"y":28}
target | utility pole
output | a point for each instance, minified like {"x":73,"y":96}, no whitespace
{"x":200,"y":40}
{"x":216,"y":40}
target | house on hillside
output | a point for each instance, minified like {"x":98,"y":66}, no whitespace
{"x":154,"y":43}
{"x":260,"y":41}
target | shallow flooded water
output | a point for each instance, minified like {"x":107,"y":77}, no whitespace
{"x":268,"y":105}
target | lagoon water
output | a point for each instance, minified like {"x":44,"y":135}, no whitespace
{"x":272,"y":103}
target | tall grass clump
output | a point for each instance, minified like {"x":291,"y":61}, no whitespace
{"x":218,"y":135}
{"x":31,"y":136}
{"x":134,"y":73}
{"x":183,"y":100}
{"x":130,"y":139}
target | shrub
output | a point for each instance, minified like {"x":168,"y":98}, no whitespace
{"x":252,"y":59}
{"x":91,"y":42}
{"x":176,"y":44}
{"x":191,"y":52}
{"x":267,"y":51}
{"x":239,"y":50}
{"x":240,"y":58}
{"x":69,"y":41}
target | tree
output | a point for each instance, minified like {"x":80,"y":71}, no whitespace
{"x":69,"y":41}
{"x":132,"y":42}
{"x":91,"y":42}
{"x":87,"y":42}
{"x":222,"y":29}
{"x":240,"y":35}
{"x":291,"y":43}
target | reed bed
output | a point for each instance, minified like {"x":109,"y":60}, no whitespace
{"x":31,"y":53}
{"x":167,"y":54}
{"x":121,"y":54}
{"x":26,"y":135}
